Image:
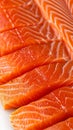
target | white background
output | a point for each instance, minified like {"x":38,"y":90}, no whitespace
{"x":4,"y":119}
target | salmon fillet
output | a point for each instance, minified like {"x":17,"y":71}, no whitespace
{"x":38,"y":30}
{"x":36,"y":83}
{"x":29,"y":57}
{"x":60,"y":16}
{"x":44,"y":112}
{"x":20,"y":37}
{"x":24,"y":15}
{"x":36,"y":61}
{"x":64,"y":125}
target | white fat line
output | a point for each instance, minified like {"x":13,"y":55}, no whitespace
{"x":65,"y":65}
{"x":8,"y":17}
{"x":23,"y":112}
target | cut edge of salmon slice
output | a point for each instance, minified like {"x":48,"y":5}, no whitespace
{"x":38,"y":32}
{"x":26,"y":88}
{"x":63,"y":125}
{"x":42,"y":124}
{"x":43,"y":112}
{"x":20,"y":37}
{"x":27,"y":58}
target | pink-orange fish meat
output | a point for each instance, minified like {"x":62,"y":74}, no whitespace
{"x":36,"y":83}
{"x":45,"y":112}
{"x":64,"y":125}
{"x":57,"y":12}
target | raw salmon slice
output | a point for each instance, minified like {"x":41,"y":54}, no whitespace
{"x":60,"y":16}
{"x":10,"y":3}
{"x":39,"y":31}
{"x":11,"y":41}
{"x":64,"y":125}
{"x":35,"y":84}
{"x":29,"y":57}
{"x":17,"y":38}
{"x":23,"y":15}
{"x":44,"y":112}
{"x":40,"y":28}
{"x":43,"y":27}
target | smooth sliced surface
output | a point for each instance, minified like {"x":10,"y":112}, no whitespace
{"x":29,"y":57}
{"x":60,"y":16}
{"x":64,"y":125}
{"x":44,"y":112}
{"x":35,"y":84}
{"x":10,"y":3}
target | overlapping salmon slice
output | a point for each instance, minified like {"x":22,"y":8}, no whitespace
{"x":11,"y":3}
{"x":23,"y":15}
{"x":48,"y":23}
{"x":57,"y":12}
{"x":38,"y":30}
{"x":23,"y":60}
{"x":20,"y":37}
{"x":64,"y":125}
{"x":36,"y":83}
{"x":44,"y":112}
{"x":27,"y":58}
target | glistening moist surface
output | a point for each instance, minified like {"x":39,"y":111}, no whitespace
{"x":58,"y":13}
{"x":52,"y":108}
{"x":36,"y":83}
{"x":27,"y":58}
{"x":32,"y":27}
{"x":36,"y":64}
